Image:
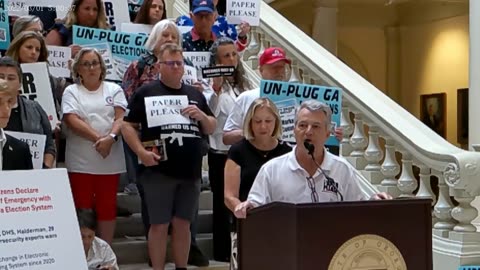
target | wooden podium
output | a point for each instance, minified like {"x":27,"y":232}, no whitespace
{"x":373,"y":235}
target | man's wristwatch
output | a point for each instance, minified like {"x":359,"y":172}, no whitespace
{"x":114,"y":136}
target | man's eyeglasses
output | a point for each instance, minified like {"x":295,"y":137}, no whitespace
{"x":90,"y":65}
{"x":311,"y":185}
{"x":172,"y":63}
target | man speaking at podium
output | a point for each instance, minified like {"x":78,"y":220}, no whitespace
{"x":309,"y":173}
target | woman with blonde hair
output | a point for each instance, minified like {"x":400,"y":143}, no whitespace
{"x":262,"y":131}
{"x":28,"y":47}
{"x":87,"y":13}
{"x":93,"y":111}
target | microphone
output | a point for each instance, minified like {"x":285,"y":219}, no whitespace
{"x":310,"y":147}
{"x":330,"y":182}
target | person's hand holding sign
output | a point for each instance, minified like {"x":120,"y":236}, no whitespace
{"x":194,"y":112}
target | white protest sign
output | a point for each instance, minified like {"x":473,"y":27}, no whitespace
{"x":287,"y":109}
{"x":117,"y":13}
{"x":190,"y":75}
{"x":199,"y":59}
{"x":39,"y":225}
{"x":243,"y":11}
{"x":137,"y":28}
{"x":58,"y":57}
{"x":164,"y":110}
{"x":36,"y":142}
{"x":36,"y":86}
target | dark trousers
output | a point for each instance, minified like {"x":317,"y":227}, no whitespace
{"x":221,"y":214}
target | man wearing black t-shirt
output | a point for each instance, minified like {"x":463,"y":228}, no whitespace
{"x":173,"y":117}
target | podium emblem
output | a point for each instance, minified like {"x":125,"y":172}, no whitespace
{"x":366,"y":252}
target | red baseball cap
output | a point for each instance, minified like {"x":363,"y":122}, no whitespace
{"x":272,"y":55}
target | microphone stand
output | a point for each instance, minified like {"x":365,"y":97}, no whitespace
{"x":330,"y":182}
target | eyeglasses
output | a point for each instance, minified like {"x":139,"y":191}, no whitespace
{"x":90,"y":65}
{"x":311,"y":185}
{"x":172,"y":63}
{"x":41,"y":32}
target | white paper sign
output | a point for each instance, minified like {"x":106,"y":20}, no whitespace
{"x":199,"y":59}
{"x":243,"y":10}
{"x":164,"y":110}
{"x":287,"y":109}
{"x":137,"y":28}
{"x":117,"y":13}
{"x":36,"y":142}
{"x":190,"y":75}
{"x":39,"y":225}
{"x":36,"y":86}
{"x":58,"y":57}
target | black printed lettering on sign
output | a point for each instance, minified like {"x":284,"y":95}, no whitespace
{"x":109,"y":13}
{"x":212,"y":72}
{"x":29,"y":88}
{"x":2,"y":5}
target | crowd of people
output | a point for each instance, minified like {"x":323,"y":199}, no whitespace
{"x":157,"y":129}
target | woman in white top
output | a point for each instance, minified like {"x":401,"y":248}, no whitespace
{"x":93,"y":112}
{"x":221,"y":101}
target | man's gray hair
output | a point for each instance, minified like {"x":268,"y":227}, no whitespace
{"x":314,"y":106}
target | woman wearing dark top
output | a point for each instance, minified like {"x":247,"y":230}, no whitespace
{"x":87,"y":13}
{"x":151,"y":12}
{"x":262,"y":131}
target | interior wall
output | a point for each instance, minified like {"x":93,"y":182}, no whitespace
{"x":369,"y":45}
{"x":435,"y":60}
{"x":434,"y":54}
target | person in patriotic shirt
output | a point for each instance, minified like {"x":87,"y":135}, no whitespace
{"x":220,"y":27}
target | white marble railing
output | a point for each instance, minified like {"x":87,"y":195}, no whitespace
{"x":393,"y":150}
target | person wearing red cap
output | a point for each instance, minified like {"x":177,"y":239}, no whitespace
{"x":272,"y":67}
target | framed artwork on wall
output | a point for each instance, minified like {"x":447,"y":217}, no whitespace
{"x":432,"y":112}
{"x":462,"y":116}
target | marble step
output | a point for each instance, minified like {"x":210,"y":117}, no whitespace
{"x":133,"y":250}
{"x":133,"y":226}
{"x":132,"y":202}
{"x":170,"y":266}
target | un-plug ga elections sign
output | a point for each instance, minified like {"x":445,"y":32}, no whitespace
{"x":288,"y":96}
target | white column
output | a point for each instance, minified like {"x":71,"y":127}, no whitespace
{"x":392,"y":34}
{"x":324,"y":29}
{"x":474,"y":83}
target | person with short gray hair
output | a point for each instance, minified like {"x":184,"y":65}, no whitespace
{"x":309,"y":173}
{"x":27,"y":23}
{"x":315,"y":105}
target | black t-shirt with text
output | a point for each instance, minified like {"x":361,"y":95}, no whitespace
{"x":183,"y":142}
{"x":250,"y":160}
